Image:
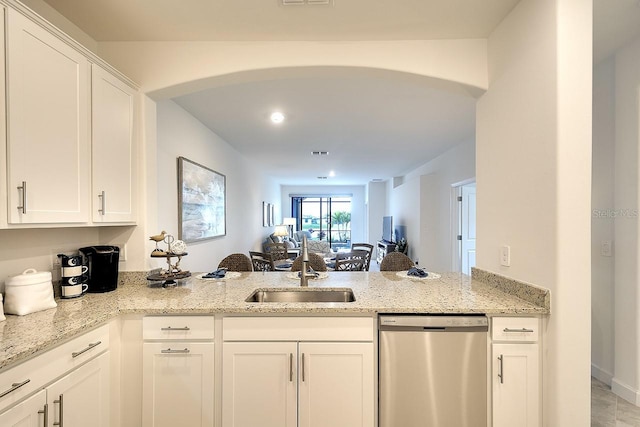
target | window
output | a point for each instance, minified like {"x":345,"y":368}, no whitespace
{"x":326,"y":218}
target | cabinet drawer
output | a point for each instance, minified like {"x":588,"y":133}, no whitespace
{"x":177,"y":328}
{"x":521,"y":329}
{"x":298,"y":328}
{"x":50,"y":365}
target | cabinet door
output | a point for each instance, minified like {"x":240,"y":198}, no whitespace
{"x":30,"y":413}
{"x":336,"y":384}
{"x":113,"y":148}
{"x":259,"y":384}
{"x":48,"y":126}
{"x":516,"y":388}
{"x":177,"y":384}
{"x":81,"y":398}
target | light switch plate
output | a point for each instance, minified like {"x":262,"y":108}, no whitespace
{"x":606,"y":248}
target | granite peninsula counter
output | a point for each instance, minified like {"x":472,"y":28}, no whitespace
{"x":375,"y":292}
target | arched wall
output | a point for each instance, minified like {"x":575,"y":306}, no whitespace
{"x":169,"y":69}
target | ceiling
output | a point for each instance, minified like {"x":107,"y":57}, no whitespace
{"x":374,"y":126}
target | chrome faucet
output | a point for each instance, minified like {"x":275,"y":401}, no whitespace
{"x":304,"y":273}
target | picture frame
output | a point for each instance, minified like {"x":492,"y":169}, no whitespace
{"x":265,"y":214}
{"x":202,"y":202}
{"x":272,"y":216}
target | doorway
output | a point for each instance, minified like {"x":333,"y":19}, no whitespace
{"x":464,"y":244}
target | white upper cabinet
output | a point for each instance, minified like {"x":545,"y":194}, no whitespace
{"x":48,"y":155}
{"x":113,"y":148}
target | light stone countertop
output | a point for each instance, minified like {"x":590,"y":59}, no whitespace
{"x":375,"y":292}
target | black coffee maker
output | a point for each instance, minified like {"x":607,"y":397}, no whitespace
{"x":102,"y":262}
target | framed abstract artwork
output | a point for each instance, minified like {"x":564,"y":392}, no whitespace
{"x":201,"y":202}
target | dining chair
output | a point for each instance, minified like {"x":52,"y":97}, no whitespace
{"x":315,"y":261}
{"x":396,"y":261}
{"x":236,"y":262}
{"x":278,"y":251}
{"x":364,"y":247}
{"x":350,"y":261}
{"x":261,"y":261}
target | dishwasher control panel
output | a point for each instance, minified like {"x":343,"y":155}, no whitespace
{"x":434,"y":321}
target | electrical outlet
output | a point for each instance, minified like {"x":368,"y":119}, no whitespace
{"x":606,"y":248}
{"x":123,"y":251}
{"x":505,"y":256}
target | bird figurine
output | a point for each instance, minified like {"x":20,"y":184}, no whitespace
{"x":158,"y":238}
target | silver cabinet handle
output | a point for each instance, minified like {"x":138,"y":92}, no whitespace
{"x":302,"y":367}
{"x":103,"y":203}
{"x":89,"y":347}
{"x":23,"y":187}
{"x":45,"y":411}
{"x":517,"y":330}
{"x":500,"y":371}
{"x":170,"y":351}
{"x":290,"y":367}
{"x":169,"y":328}
{"x":14,"y":387}
{"x":60,"y":422}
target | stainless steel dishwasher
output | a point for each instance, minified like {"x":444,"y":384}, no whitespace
{"x":433,"y":371}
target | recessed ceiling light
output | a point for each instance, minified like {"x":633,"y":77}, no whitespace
{"x":332,"y":173}
{"x":277,"y":117}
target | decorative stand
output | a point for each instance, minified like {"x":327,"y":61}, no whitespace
{"x":175,"y":249}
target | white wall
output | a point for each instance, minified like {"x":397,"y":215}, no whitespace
{"x":602,"y":225}
{"x":376,"y":203}
{"x":180,"y":134}
{"x":357,"y":193}
{"x":423,"y":204}
{"x":533,"y":169}
{"x":626,"y":380}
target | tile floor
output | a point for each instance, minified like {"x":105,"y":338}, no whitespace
{"x":608,"y":410}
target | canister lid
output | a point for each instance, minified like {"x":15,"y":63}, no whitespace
{"x":29,"y":277}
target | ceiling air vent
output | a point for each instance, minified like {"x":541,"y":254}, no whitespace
{"x":319,"y":153}
{"x":322,"y":177}
{"x":302,"y":2}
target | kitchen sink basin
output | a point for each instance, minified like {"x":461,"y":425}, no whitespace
{"x":302,"y":295}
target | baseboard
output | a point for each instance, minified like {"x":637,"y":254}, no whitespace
{"x":626,"y":392}
{"x":601,"y":375}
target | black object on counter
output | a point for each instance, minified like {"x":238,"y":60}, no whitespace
{"x":102,"y":262}
{"x":418,"y":272}
{"x":218,"y":274}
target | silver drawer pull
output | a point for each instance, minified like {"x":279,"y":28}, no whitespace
{"x":169,"y":328}
{"x":501,"y":371}
{"x":89,"y":347}
{"x":517,"y":330}
{"x":14,"y":387}
{"x":170,"y":351}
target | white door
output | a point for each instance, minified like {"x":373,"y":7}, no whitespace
{"x":516,"y":395}
{"x":468,"y":227}
{"x":178,"y":384}
{"x":81,"y":398}
{"x":30,"y":413}
{"x":113,"y":148}
{"x":48,"y":126}
{"x":336,"y":382}
{"x":259,"y":384}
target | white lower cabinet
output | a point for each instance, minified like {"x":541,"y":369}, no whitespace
{"x":30,"y":413}
{"x":68,"y":385}
{"x":81,"y":398}
{"x":259,"y":384}
{"x":294,"y":380}
{"x":178,"y":371}
{"x":515,"y":372}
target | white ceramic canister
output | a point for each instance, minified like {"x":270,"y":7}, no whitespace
{"x":28,"y":292}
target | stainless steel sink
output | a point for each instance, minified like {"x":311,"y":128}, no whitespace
{"x":302,"y":295}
